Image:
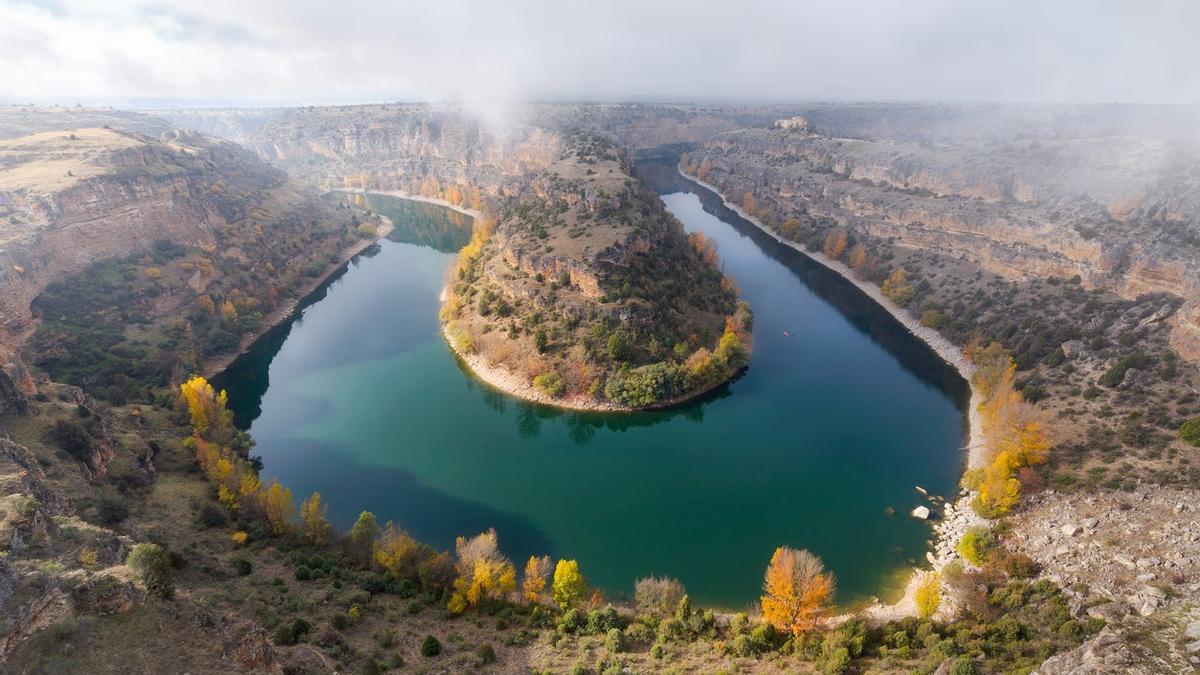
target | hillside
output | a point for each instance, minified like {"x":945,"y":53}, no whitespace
{"x":126,"y":260}
{"x":586,"y":289}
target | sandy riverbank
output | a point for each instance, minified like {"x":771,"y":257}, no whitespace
{"x":957,"y":516}
{"x":285,"y":310}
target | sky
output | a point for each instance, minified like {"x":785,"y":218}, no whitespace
{"x":276,"y":52}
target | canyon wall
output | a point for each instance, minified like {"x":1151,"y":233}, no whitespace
{"x":1119,"y":211}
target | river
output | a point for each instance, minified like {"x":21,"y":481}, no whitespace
{"x":820,"y":444}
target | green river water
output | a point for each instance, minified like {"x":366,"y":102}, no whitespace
{"x":358,"y":397}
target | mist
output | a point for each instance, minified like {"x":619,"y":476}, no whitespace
{"x":291,"y":52}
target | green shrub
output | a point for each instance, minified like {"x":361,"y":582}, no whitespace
{"x":430,"y":646}
{"x":963,"y":666}
{"x":571,"y":622}
{"x":646,"y":385}
{"x":242,"y":567}
{"x":1190,"y":431}
{"x":485,"y":654}
{"x":551,"y":383}
{"x":657,"y":651}
{"x":614,"y":642}
{"x":154,"y":567}
{"x":291,"y":633}
{"x":977,"y":545}
{"x":600,"y":621}
{"x":836,"y":662}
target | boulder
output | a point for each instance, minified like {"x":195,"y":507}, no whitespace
{"x":921,"y":512}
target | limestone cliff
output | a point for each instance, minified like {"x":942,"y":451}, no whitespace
{"x":1121,"y":212}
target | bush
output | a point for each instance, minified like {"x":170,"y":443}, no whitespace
{"x":600,"y":621}
{"x":837,"y":662}
{"x":151,"y":563}
{"x":570,"y":622}
{"x":111,"y":510}
{"x":614,"y":642}
{"x":1190,"y":431}
{"x":291,"y":633}
{"x":242,"y":567}
{"x":657,"y":597}
{"x":977,"y":545}
{"x":210,"y":515}
{"x":646,"y":385}
{"x":72,"y":438}
{"x":486,"y":654}
{"x":430,"y":646}
{"x":657,"y":650}
{"x":550,"y":384}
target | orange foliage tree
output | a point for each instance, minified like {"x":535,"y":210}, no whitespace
{"x":835,"y":243}
{"x":796,"y":590}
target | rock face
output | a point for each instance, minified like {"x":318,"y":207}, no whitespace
{"x":1058,"y":199}
{"x":71,"y":198}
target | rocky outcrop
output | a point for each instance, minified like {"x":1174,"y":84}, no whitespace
{"x":1127,"y":559}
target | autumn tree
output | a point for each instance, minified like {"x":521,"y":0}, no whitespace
{"x":278,"y":508}
{"x":749,"y":204}
{"x":399,"y":554}
{"x":835,"y":243}
{"x":210,"y":418}
{"x":897,"y":288}
{"x":928,"y":595}
{"x":705,"y":168}
{"x":537,"y":572}
{"x":314,"y":516}
{"x":569,"y":585}
{"x":796,"y":590}
{"x":484,"y":573}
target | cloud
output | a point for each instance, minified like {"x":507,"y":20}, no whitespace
{"x":300,"y":51}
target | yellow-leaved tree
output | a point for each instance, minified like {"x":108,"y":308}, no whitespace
{"x":278,"y":508}
{"x":796,"y":590}
{"x":211,"y":420}
{"x":398,"y":553}
{"x":484,"y":573}
{"x":569,"y":585}
{"x":314,"y":517}
{"x":537,"y":571}
{"x":928,"y":595}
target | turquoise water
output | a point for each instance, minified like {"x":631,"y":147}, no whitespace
{"x":359,"y":398}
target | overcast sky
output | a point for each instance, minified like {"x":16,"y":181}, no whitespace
{"x":305,"y":51}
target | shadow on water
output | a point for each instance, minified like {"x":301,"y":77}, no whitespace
{"x":417,"y":223}
{"x":425,"y":513}
{"x":860,"y":310}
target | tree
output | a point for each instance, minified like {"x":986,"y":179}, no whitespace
{"x":484,"y":573}
{"x":362,"y":536}
{"x":210,"y":418}
{"x":154,"y":568}
{"x":976,"y":545}
{"x":657,"y":597}
{"x":749,"y":204}
{"x":569,"y":585}
{"x":278,"y":508}
{"x":835,"y":243}
{"x":897,"y":289}
{"x":537,"y":571}
{"x":314,"y":518}
{"x":928,"y":595}
{"x":796,"y":590}
{"x":399,"y":554}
